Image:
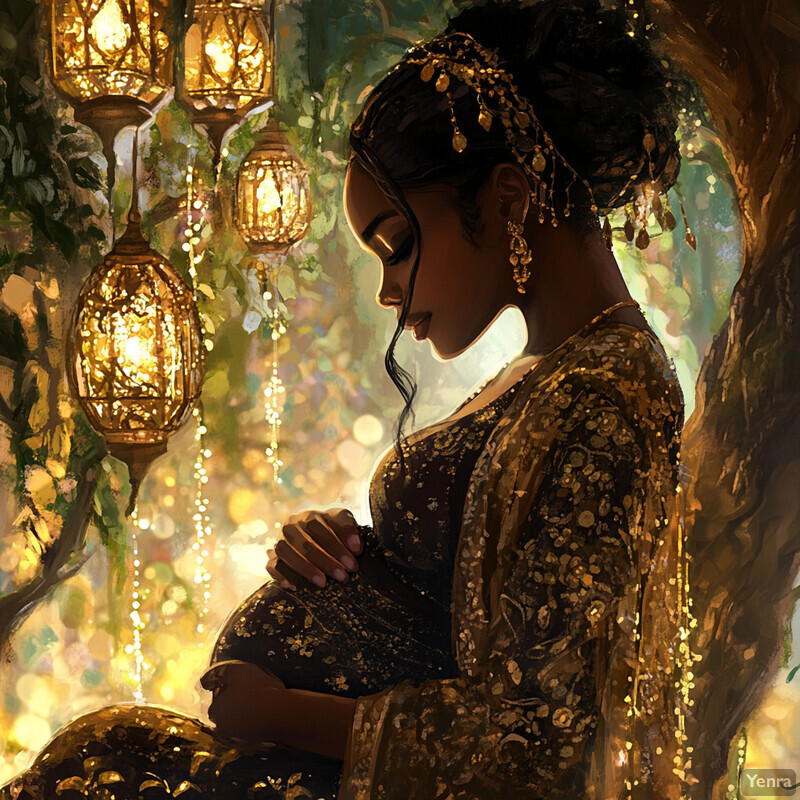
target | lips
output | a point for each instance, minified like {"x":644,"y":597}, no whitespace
{"x":420,"y":328}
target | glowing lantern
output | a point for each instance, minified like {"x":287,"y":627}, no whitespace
{"x":110,"y":59}
{"x":135,"y":359}
{"x":227,"y":66}
{"x":273,"y":203}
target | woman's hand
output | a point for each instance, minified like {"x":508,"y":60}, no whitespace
{"x":244,"y":704}
{"x":316,"y":544}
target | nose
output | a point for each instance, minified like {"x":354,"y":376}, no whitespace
{"x":390,"y":295}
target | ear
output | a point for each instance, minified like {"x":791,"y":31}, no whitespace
{"x":511,"y":190}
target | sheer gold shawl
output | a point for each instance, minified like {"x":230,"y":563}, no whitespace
{"x":543,"y":711}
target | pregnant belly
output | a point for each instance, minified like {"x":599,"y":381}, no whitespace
{"x":350,"y":639}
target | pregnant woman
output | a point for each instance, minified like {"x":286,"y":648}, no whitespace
{"x":508,"y":625}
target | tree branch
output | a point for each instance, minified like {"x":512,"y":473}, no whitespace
{"x":17,"y":604}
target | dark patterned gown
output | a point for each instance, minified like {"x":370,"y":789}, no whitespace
{"x":389,"y":622}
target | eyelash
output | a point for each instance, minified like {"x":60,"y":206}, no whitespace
{"x":402,"y":253}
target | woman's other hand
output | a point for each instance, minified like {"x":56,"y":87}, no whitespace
{"x":243,"y":700}
{"x":316,"y":545}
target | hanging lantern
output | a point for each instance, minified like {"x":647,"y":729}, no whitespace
{"x":273,"y":202}
{"x":227,"y":66}
{"x":109,"y":59}
{"x":273,"y":213}
{"x":135,"y":358}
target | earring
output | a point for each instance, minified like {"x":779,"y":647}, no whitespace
{"x":520,"y":255}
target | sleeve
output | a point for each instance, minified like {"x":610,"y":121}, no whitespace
{"x":561,"y":648}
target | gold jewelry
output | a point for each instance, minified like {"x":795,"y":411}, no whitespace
{"x":520,"y":255}
{"x":458,"y":56}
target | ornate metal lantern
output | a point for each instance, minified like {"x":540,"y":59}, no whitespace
{"x":273,"y":202}
{"x":109,"y":58}
{"x":227,"y":65}
{"x":135,"y":358}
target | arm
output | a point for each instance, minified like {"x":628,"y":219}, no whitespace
{"x":252,"y":704}
{"x":528,"y":724}
{"x":319,"y":723}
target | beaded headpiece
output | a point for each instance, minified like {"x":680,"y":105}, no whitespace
{"x":458,"y":56}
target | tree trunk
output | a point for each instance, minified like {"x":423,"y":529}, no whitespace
{"x":742,"y":443}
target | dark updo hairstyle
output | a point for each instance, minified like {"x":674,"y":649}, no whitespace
{"x":595,"y":89}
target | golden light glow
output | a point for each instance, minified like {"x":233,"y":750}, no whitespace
{"x":136,"y":355}
{"x":109,"y":30}
{"x":267,"y":196}
{"x":227,"y":57}
{"x":273,"y":206}
{"x":109,"y":47}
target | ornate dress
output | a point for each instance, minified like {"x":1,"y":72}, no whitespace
{"x":490,"y":634}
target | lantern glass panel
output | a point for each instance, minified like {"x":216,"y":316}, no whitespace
{"x":227,"y":58}
{"x":103,"y":48}
{"x":272,"y":201}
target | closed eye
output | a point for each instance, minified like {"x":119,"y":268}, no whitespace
{"x":402,"y":252}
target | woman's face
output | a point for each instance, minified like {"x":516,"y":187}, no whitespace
{"x":459,"y":290}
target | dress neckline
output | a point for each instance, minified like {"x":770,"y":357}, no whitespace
{"x":580,"y":332}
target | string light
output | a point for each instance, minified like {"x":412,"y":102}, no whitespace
{"x":135,"y":649}
{"x":202,"y":524}
{"x":274,"y":387}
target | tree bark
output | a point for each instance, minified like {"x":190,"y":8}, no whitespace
{"x":742,"y":443}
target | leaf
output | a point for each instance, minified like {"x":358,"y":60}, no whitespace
{"x":208,"y":324}
{"x":286,"y":285}
{"x":251,"y":321}
{"x":85,"y":173}
{"x":12,"y":338}
{"x":96,"y":233}
{"x":216,"y":386}
{"x":792,"y":673}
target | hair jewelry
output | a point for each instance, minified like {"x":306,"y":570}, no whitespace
{"x":458,"y":56}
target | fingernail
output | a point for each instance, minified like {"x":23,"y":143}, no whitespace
{"x":349,"y":562}
{"x":319,"y":580}
{"x":353,"y":542}
{"x":339,"y":575}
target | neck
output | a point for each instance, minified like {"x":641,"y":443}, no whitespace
{"x":573,"y":279}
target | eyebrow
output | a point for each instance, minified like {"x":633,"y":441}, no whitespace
{"x":369,"y":231}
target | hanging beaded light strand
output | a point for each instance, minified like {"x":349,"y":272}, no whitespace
{"x":202,"y":524}
{"x":135,"y":649}
{"x":686,"y":657}
{"x":274,"y":389}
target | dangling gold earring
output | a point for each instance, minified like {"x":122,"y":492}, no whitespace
{"x":520,"y":255}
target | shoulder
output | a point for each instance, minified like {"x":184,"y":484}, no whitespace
{"x":615,"y":388}
{"x":616,"y":365}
